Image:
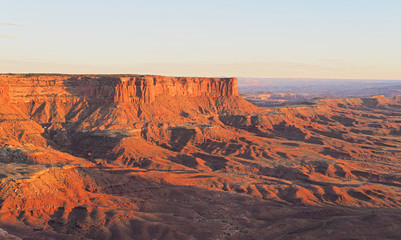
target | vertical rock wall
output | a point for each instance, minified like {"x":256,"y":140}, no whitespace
{"x":4,"y":94}
{"x":106,"y":89}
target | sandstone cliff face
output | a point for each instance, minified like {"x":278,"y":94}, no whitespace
{"x":146,"y":89}
{"x":4,"y":94}
{"x":90,"y":102}
{"x":107,"y":89}
{"x":145,"y":157}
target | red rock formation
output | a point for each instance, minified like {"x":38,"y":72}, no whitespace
{"x":150,"y":157}
{"x":126,"y":89}
{"x":397,"y":98}
{"x":66,"y":98}
{"x":145,"y":89}
{"x":4,"y":94}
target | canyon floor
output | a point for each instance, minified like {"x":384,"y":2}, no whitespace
{"x":204,"y":167}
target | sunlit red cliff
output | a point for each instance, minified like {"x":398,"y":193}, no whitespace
{"x":153,"y":157}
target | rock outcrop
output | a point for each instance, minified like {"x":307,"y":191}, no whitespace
{"x":151,"y":157}
{"x":116,"y":101}
{"x":106,"y":89}
{"x":4,"y":94}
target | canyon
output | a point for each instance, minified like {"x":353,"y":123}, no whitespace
{"x":154,"y":157}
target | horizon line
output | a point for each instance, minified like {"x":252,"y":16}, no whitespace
{"x":167,"y":75}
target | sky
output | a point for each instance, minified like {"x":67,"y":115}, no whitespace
{"x":352,"y":39}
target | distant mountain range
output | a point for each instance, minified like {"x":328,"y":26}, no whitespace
{"x":323,"y":87}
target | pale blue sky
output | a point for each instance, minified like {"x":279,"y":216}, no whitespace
{"x":281,"y":38}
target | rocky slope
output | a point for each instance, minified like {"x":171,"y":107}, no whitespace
{"x":151,"y":157}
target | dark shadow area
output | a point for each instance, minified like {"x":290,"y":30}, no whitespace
{"x":214,"y":162}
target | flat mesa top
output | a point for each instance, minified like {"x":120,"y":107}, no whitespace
{"x":27,"y":75}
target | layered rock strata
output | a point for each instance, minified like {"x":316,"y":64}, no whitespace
{"x":106,"y":89}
